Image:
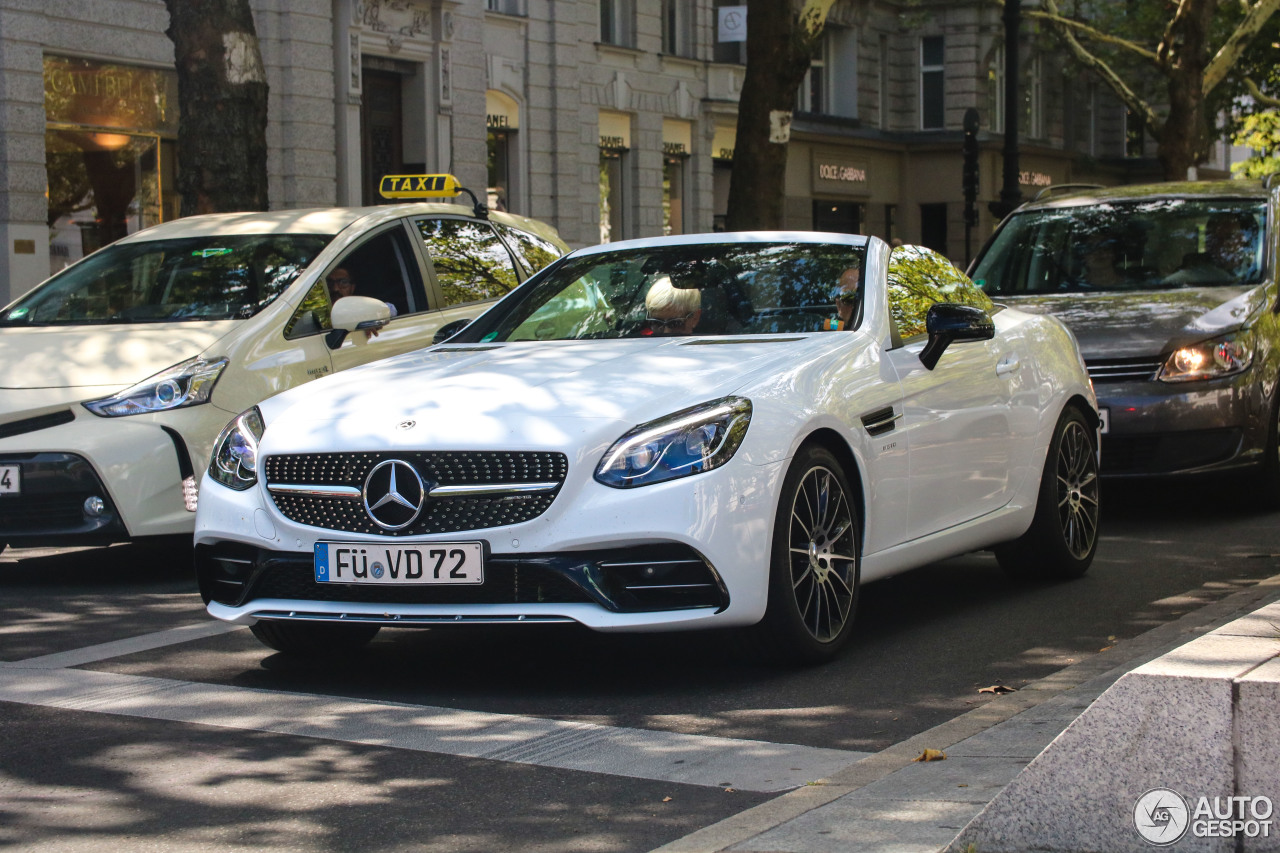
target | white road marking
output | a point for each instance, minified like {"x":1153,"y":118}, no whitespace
{"x":744,"y":765}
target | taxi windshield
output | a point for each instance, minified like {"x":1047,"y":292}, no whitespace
{"x":723,"y":289}
{"x":1119,"y":246}
{"x":164,"y":281}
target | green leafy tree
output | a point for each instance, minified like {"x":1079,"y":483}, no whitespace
{"x":1174,"y":63}
{"x":1261,"y":132}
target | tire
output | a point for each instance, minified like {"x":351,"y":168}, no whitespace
{"x":313,"y":639}
{"x":1266,"y":479}
{"x":1063,"y":536}
{"x":815,"y":565}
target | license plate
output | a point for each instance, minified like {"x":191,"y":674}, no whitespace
{"x":1104,"y":415}
{"x":437,"y":563}
{"x":10,"y":480}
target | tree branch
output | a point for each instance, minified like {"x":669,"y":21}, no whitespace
{"x":1258,"y":95}
{"x":1092,"y":34}
{"x":1131,"y":98}
{"x":1227,"y":56}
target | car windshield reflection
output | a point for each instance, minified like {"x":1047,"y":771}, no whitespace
{"x":161,"y":281}
{"x":735,"y":290}
{"x":1156,"y":244}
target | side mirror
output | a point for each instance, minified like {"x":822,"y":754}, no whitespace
{"x":355,"y":313}
{"x":947,"y":323}
{"x":448,"y":330}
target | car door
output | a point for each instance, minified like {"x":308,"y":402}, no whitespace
{"x":957,"y":417}
{"x":470,"y":266}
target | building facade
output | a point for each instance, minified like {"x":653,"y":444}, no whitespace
{"x":608,"y":118}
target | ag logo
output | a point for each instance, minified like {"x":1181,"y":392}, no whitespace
{"x":1161,"y":816}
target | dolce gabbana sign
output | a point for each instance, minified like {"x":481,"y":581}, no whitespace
{"x":833,"y":174}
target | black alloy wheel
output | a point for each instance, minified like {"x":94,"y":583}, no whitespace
{"x":1063,"y":537}
{"x":816,"y":563}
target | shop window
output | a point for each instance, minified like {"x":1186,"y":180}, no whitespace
{"x":500,"y":151}
{"x":471,"y":263}
{"x":890,"y":223}
{"x":612,"y":194}
{"x":933,"y":226}
{"x":842,"y":217}
{"x":673,"y":194}
{"x":721,"y":173}
{"x":110,"y":144}
{"x":932,"y":83}
{"x":617,"y":22}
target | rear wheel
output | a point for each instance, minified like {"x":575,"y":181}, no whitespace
{"x":313,"y":638}
{"x":815,"y":567}
{"x":1063,"y":536}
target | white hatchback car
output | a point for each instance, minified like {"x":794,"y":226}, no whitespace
{"x":659,"y":435}
{"x":117,"y":374}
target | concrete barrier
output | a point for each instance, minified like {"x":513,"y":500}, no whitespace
{"x":1201,"y":722}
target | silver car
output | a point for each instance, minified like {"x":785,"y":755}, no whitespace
{"x":1171,"y":291}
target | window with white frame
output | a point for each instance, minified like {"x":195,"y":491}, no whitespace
{"x":995,"y":90}
{"x":617,"y":22}
{"x":932,"y":83}
{"x":677,"y":28}
{"x":831,"y":85}
{"x":506,"y":7}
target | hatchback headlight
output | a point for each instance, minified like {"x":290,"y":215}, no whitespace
{"x":188,"y":383}
{"x":1208,"y":360}
{"x":235,"y":454}
{"x":688,"y":442}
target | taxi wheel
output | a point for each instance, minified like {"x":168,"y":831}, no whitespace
{"x":313,"y":638}
{"x":815,"y":567}
{"x":1063,"y":536}
{"x":1267,"y":485}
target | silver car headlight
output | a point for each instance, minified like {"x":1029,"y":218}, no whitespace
{"x":1209,"y":359}
{"x":188,"y":383}
{"x":688,"y":442}
{"x":235,"y":454}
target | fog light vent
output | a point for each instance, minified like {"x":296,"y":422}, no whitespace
{"x":94,"y":507}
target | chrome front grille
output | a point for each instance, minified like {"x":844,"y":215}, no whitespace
{"x":1123,"y":369}
{"x":468,"y":490}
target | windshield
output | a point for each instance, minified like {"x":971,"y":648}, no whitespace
{"x":725,"y":289}
{"x":161,"y":281}
{"x":1162,"y":243}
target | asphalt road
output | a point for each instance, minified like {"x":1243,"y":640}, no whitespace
{"x":534,"y":739}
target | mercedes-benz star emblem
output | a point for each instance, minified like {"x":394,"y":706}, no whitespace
{"x":393,"y":494}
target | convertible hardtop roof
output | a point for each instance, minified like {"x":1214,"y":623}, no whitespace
{"x":1145,"y":192}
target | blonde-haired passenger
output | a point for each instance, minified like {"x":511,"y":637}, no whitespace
{"x":671,"y":310}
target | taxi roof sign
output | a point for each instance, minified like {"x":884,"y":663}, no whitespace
{"x":419,"y":186}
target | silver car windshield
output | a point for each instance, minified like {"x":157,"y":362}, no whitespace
{"x":164,"y":281}
{"x":723,"y":289}
{"x":1160,"y":243}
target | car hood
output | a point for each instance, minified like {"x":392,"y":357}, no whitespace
{"x":518,"y":395}
{"x":99,"y":358}
{"x":1147,"y":322}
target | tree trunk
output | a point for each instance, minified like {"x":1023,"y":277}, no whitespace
{"x":222,"y":99}
{"x":1184,"y":136}
{"x":779,"y":48}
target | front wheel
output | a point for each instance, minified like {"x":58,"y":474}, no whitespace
{"x":313,"y":639}
{"x":815,"y":564}
{"x":1063,"y":536}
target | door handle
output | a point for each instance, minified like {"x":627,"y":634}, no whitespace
{"x":1007,"y":365}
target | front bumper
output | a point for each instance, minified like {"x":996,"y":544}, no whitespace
{"x":663,"y":557}
{"x":135,"y":465}
{"x":1197,"y":427}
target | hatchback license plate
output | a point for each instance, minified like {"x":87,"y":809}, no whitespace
{"x":10,"y":480}
{"x":1104,"y":416}
{"x":437,"y":563}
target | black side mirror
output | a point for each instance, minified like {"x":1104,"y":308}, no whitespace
{"x":947,"y":322}
{"x":448,"y":330}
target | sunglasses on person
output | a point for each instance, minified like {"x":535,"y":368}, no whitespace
{"x":672,"y":323}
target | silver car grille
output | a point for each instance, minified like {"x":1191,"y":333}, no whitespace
{"x":1123,"y":369}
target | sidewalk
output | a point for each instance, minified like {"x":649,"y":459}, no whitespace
{"x":888,"y":803}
